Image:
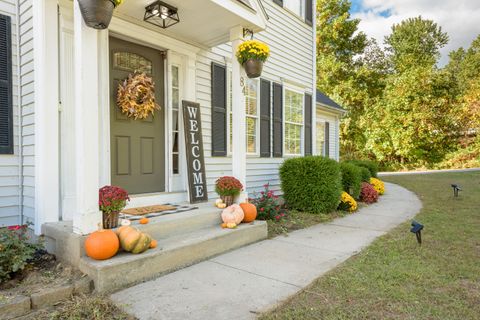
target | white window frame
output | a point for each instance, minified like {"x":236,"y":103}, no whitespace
{"x":256,"y":117}
{"x":300,"y":14}
{"x":317,"y":123}
{"x":285,"y":122}
{"x":179,"y":107}
{"x":176,"y":182}
{"x":229,"y":112}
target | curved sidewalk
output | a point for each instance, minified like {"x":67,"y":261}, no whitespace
{"x":242,"y":283}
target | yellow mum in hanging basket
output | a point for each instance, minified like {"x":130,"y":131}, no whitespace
{"x":136,"y":96}
{"x":378,"y":185}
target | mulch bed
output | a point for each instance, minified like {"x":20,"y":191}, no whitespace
{"x":43,"y":271}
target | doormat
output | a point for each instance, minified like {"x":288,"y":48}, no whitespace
{"x":141,"y":211}
{"x":154,"y":211}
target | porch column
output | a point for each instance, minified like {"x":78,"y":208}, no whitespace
{"x":86,"y":217}
{"x":239,"y":145}
{"x":45,"y":42}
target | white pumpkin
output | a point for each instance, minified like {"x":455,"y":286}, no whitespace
{"x":233,"y":214}
{"x":218,"y":202}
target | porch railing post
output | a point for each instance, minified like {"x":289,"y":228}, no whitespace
{"x":87,"y":216}
{"x":239,"y":148}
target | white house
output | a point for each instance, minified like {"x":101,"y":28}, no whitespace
{"x":62,"y":135}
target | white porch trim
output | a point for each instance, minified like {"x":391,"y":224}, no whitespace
{"x":87,"y":132}
{"x":47,"y":187}
{"x":239,"y":145}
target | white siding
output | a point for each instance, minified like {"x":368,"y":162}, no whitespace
{"x":10,"y":164}
{"x":291,"y":61}
{"x":332,"y":118}
{"x":28,"y":107}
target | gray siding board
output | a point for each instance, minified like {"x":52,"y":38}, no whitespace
{"x":291,"y":44}
{"x":28,"y":107}
{"x":10,"y":164}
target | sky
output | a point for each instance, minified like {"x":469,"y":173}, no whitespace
{"x":459,"y":18}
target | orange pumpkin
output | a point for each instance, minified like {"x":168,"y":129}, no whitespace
{"x":153,"y":244}
{"x":144,"y":220}
{"x":102,"y":245}
{"x":250,"y":212}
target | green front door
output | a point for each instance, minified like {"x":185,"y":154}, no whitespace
{"x":137,"y":146}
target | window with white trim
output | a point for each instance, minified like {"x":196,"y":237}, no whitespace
{"x":295,"y":6}
{"x":293,"y":118}
{"x":320,"y":137}
{"x":175,"y":119}
{"x":252,"y":109}
{"x":251,"y":92}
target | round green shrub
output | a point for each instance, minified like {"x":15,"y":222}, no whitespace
{"x":351,"y":179}
{"x":366,"y":175}
{"x":311,"y":184}
{"x":372,"y":166}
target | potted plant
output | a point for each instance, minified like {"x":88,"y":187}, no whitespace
{"x":112,"y":200}
{"x":252,"y":54}
{"x":98,"y":13}
{"x":228,"y":188}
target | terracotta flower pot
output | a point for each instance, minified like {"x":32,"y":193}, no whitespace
{"x":228,"y":200}
{"x":253,"y":68}
{"x":97,"y":14}
{"x":110,"y":220}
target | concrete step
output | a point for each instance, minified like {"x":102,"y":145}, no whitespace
{"x":169,"y":225}
{"x":173,"y":253}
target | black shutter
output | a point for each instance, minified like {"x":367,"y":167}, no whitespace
{"x":265,"y":118}
{"x":309,"y":12}
{"x":279,"y":2}
{"x":327,"y":139}
{"x":308,"y":125}
{"x":219,"y":110}
{"x":277,"y":120}
{"x":6,"y":95}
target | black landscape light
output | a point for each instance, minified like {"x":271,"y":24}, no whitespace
{"x":161,"y":14}
{"x":456,"y":188}
{"x":417,"y":229}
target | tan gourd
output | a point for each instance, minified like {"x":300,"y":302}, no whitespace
{"x":133,"y":240}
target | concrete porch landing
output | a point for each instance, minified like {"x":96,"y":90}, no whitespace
{"x":183,"y":238}
{"x":244,"y":282}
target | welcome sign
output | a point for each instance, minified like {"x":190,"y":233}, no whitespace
{"x":192,"y":121}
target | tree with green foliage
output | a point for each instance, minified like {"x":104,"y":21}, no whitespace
{"x":413,"y":122}
{"x":415,"y":42}
{"x":349,"y":67}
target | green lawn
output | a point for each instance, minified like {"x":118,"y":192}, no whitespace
{"x":394,"y":278}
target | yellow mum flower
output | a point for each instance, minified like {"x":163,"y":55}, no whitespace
{"x":252,"y":49}
{"x":378,"y":185}
{"x":348,"y":203}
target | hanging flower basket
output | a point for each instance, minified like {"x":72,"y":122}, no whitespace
{"x":252,"y":54}
{"x":97,"y":14}
{"x":253,"y":68}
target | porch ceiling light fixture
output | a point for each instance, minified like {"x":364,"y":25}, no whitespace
{"x":161,"y":14}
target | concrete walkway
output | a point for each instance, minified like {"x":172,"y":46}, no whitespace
{"x":247,"y":281}
{"x":402,"y":173}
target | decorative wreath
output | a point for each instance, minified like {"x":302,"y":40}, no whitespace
{"x":136,"y":96}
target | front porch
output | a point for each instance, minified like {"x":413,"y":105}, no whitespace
{"x":184,"y":238}
{"x":78,"y":139}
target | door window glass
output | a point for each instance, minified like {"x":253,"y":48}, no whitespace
{"x":131,"y":62}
